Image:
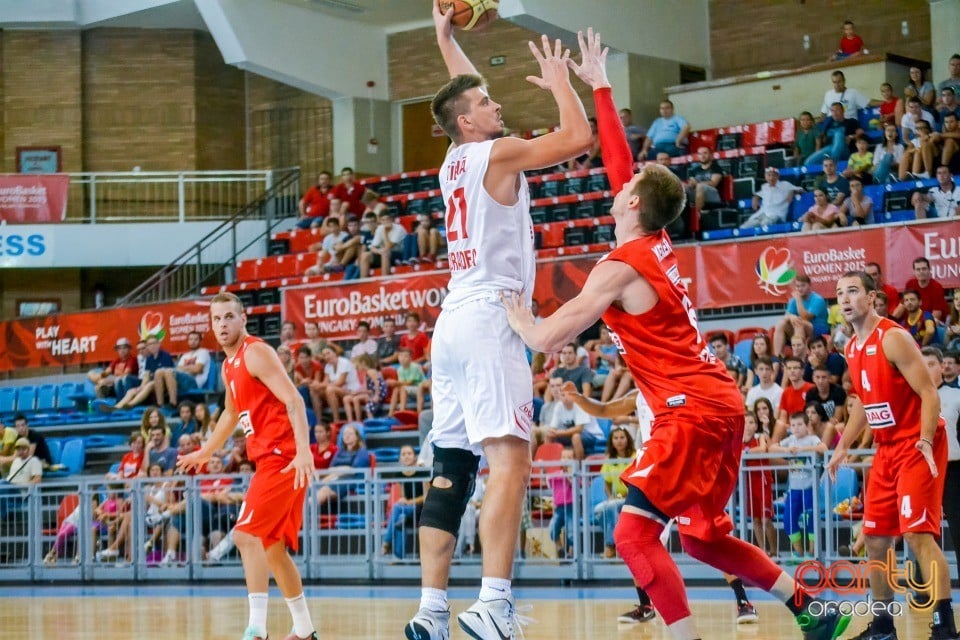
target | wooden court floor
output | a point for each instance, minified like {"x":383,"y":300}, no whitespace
{"x":210,"y":614}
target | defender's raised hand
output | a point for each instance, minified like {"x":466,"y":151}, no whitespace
{"x":593,"y":61}
{"x":443,"y":21}
{"x":553,"y":64}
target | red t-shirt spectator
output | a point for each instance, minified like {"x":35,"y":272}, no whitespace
{"x":852,"y":45}
{"x":794,"y":400}
{"x":893,"y":296}
{"x":125,"y":367}
{"x":932,"y":297}
{"x":215,"y":484}
{"x":313,"y":371}
{"x":350,"y":195}
{"x":417,"y":344}
{"x":130,"y":464}
{"x":317,"y":202}
{"x":322,"y":459}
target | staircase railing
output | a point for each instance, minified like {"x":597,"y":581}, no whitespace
{"x":213,"y":258}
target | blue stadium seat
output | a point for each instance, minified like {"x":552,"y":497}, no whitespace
{"x":387,"y":455}
{"x":743,"y":349}
{"x":47,"y":397}
{"x":605,"y":425}
{"x":8,"y":400}
{"x":26,"y":399}
{"x":55,"y":445}
{"x":73,"y":458}
{"x":104,"y":441}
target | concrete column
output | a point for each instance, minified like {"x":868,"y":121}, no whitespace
{"x":944,"y":35}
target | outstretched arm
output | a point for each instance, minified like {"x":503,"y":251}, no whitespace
{"x":453,"y":56}
{"x":612,"y":409}
{"x":617,"y":157}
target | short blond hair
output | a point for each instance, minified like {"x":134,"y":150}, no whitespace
{"x":226,"y":296}
{"x":662,"y":197}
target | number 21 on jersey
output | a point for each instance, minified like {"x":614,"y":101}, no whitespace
{"x":457,"y":216}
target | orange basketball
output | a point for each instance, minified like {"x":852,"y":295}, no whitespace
{"x":471,"y":14}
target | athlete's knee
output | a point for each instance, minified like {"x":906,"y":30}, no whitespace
{"x":638,"y":543}
{"x":454,"y":473}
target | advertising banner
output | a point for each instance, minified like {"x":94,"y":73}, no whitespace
{"x":33,"y":198}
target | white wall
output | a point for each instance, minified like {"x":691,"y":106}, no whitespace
{"x":944,"y":35}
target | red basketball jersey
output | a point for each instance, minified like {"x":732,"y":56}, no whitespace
{"x":663,"y":348}
{"x":262,"y":416}
{"x":891,"y":404}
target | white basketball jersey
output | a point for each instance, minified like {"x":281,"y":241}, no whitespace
{"x":490,"y":245}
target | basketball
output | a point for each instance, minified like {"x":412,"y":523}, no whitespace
{"x":471,"y":14}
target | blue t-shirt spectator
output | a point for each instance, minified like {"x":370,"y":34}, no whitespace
{"x":163,"y":360}
{"x":816,"y":305}
{"x":666,"y":129}
{"x":166,"y":458}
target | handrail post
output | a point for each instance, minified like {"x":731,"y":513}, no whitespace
{"x":181,"y":196}
{"x":93,"y":199}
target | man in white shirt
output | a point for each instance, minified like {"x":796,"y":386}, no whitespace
{"x":851,"y":99}
{"x":914,"y":114}
{"x":767,"y":388}
{"x":365,"y":344}
{"x":571,"y":425}
{"x":386,"y":246}
{"x":341,"y":377}
{"x":945,"y":197}
{"x":191,"y":372}
{"x":772,"y":202}
{"x":25,"y":469}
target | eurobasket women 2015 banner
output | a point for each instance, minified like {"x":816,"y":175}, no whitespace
{"x":88,"y":338}
{"x":30,"y":199}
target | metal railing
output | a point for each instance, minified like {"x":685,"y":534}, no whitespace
{"x":163,"y":196}
{"x":213,"y":258}
{"x":90,"y":529}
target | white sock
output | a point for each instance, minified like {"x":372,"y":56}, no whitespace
{"x":495,"y":589}
{"x":258,"y":613}
{"x":302,"y":625}
{"x":433,"y":599}
{"x":784,"y":588}
{"x":684,"y":629}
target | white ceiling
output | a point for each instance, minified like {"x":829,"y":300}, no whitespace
{"x":382,"y":13}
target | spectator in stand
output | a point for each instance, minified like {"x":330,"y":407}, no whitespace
{"x":807,"y":140}
{"x":365,"y":344}
{"x":635,"y":133}
{"x":941,"y":201}
{"x":851,"y":45}
{"x":316,"y":342}
{"x":806,"y":314}
{"x":832,"y":183}
{"x":921,"y":89}
{"x":772,"y":202}
{"x":941,"y":147}
{"x":952,"y":335}
{"x":668,"y":133}
{"x":120,"y":375}
{"x":157,"y":359}
{"x":881,"y":304}
{"x":288,"y":333}
{"x":315,"y":203}
{"x":850,"y":100}
{"x":890,"y":105}
{"x":703,"y":180}
{"x":795,"y":389}
{"x":342,"y":379}
{"x":721,"y":350}
{"x":409,"y":378}
{"x":132,"y":462}
{"x":915,"y":320}
{"x":374,"y":392}
{"x":860,"y":162}
{"x":151,"y":418}
{"x":954,"y":80}
{"x":344,"y":466}
{"x":605,"y":357}
{"x":350,"y":194}
{"x":323,"y":448}
{"x":823,"y":214}
{"x":372,"y":203}
{"x":416,"y":340}
{"x":913,"y":116}
{"x":326,"y":251}
{"x":560,"y":480}
{"x":570,"y":371}
{"x":620,"y":447}
{"x":887,"y":155}
{"x":413,"y":481}
{"x":427,"y":239}
{"x":591,"y":158}
{"x":948,"y":103}
{"x":346,"y":249}
{"x":837,"y":133}
{"x":201,"y":414}
{"x":309,"y":380}
{"x":572,"y":426}
{"x":829,"y":395}
{"x":191,"y":372}
{"x":933,"y":297}
{"x":819,"y":356}
{"x":386,"y":248}
{"x":873,"y":270}
{"x":286,"y":359}
{"x":759,"y":488}
{"x":158,"y":451}
{"x":858,"y":207}
{"x":766,"y":386}
{"x":38,"y":444}
{"x":761,"y":348}
{"x":951,"y":371}
{"x":25,"y":470}
{"x":187,"y":424}
{"x":388,"y":343}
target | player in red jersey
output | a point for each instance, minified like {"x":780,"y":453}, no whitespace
{"x":896,"y":397}
{"x":638,"y":291}
{"x":260,"y":398}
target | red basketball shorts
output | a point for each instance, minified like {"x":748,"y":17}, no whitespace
{"x":272,"y":509}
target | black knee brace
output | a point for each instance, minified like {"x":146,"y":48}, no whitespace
{"x":443,"y":507}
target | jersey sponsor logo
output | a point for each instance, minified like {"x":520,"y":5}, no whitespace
{"x":523,"y":416}
{"x":683,"y":520}
{"x":880,"y":415}
{"x":245,"y":423}
{"x":677,"y":401}
{"x":872,"y":350}
{"x":617,"y":342}
{"x":870,"y":523}
{"x":673,"y":273}
{"x":662,"y":249}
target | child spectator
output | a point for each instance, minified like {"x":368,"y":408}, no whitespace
{"x":766,"y":386}
{"x":761,"y":347}
{"x":562,"y":520}
{"x":860,"y":162}
{"x":851,"y":45}
{"x":409,"y":377}
{"x":807,"y":140}
{"x":889,"y":105}
{"x":759,"y":488}
{"x":406,"y":510}
{"x":620,"y":447}
{"x":374,"y":392}
{"x":798,"y":509}
{"x":415,"y":340}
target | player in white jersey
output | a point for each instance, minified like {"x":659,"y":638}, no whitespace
{"x":482,"y":386}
